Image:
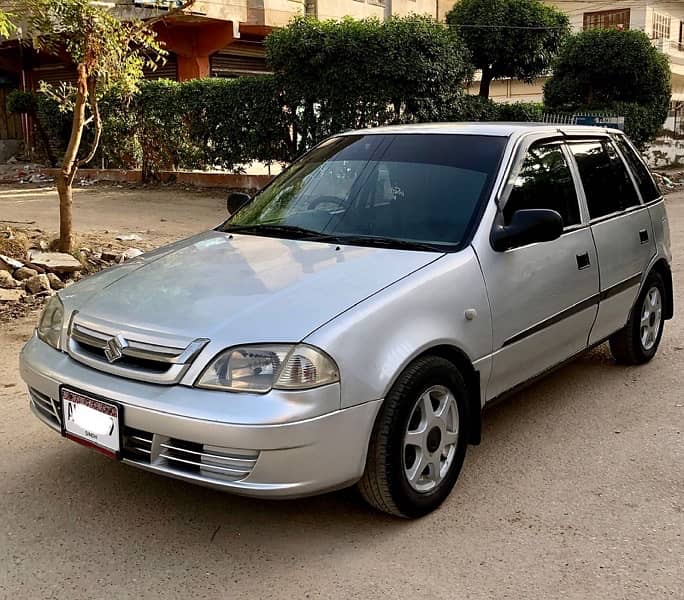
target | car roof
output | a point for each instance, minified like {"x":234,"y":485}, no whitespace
{"x":484,"y":128}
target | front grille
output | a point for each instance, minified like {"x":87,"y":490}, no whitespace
{"x":211,"y":463}
{"x":149,"y":358}
{"x":137,"y":444}
{"x":50,"y":411}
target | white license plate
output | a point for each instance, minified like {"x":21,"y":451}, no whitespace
{"x":91,"y":422}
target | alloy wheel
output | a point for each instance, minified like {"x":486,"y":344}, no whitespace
{"x":651,"y":318}
{"x":430,"y":439}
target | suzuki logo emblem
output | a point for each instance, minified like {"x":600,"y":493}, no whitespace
{"x":115,"y":348}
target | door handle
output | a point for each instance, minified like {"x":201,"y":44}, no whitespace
{"x":583,"y":261}
{"x":643,"y":236}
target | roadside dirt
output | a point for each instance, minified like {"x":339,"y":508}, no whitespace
{"x":576,"y":492}
{"x":160,"y":214}
{"x":154,"y":216}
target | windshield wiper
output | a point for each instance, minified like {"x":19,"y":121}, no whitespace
{"x":385,"y":242}
{"x":279,"y":230}
{"x":296,"y":232}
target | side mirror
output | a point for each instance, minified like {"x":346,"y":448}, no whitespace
{"x":527,"y":227}
{"x":236,"y":201}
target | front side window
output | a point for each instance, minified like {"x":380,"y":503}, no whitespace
{"x":379,"y":189}
{"x":607,"y":185}
{"x":544,"y":181}
{"x":647,"y":187}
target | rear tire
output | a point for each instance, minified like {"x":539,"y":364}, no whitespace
{"x":637,"y":342}
{"x":419,"y":441}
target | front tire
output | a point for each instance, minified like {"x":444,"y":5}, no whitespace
{"x":637,"y":342}
{"x":419,"y":441}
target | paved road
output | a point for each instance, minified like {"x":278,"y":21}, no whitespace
{"x":577,"y":491}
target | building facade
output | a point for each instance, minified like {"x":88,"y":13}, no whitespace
{"x":661,"y":20}
{"x":213,"y":38}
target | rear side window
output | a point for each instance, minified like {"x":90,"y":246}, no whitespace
{"x":544,"y":181}
{"x":607,"y":185}
{"x":647,"y":187}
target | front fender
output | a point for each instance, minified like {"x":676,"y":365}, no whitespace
{"x":372,"y":342}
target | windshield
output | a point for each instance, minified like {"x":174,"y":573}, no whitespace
{"x":401,"y":190}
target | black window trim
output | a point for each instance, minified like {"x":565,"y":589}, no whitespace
{"x":601,"y":138}
{"x":500,"y":170}
{"x":514,"y":167}
{"x":640,"y":158}
{"x":632,"y":178}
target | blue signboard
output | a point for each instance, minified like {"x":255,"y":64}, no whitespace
{"x":601,"y":121}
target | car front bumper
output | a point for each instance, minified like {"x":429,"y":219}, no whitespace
{"x":194,"y":439}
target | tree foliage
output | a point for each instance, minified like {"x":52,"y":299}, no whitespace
{"x":336,"y":75}
{"x":509,"y":38}
{"x":7,"y":26}
{"x":606,"y":70}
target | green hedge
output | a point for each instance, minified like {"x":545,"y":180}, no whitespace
{"x":521,"y":112}
{"x":356,"y":73}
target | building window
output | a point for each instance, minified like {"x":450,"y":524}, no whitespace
{"x":661,"y":26}
{"x":607,"y":19}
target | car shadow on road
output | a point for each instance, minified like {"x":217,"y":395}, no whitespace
{"x":76,"y":492}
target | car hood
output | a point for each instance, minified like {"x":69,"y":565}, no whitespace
{"x":240,"y":288}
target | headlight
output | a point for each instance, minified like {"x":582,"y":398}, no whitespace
{"x":262,"y":368}
{"x":50,"y":325}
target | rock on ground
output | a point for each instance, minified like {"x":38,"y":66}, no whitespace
{"x":37,"y":284}
{"x":12,"y":248}
{"x":55,"y":261}
{"x":129,"y":237}
{"x":7,"y":281}
{"x":55,"y":282}
{"x":11,"y":295}
{"x":23,"y":273}
{"x":128,"y":254}
{"x":7,"y":263}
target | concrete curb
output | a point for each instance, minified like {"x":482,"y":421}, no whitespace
{"x":194,"y":178}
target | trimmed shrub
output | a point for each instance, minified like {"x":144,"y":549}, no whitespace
{"x":20,"y":102}
{"x":611,"y":71}
{"x":351,"y":74}
{"x":162,"y":128}
{"x":119,"y":145}
{"x":528,"y":112}
{"x":233,"y":121}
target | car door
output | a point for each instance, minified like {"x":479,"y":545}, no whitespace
{"x":621,"y":228}
{"x":542,"y":296}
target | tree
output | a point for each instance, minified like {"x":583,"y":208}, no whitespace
{"x":352,"y":73}
{"x":607,"y":70}
{"x":509,"y":38}
{"x":7,"y":26}
{"x":106,"y":52}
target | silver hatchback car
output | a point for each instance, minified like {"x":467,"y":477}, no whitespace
{"x":349,"y":323}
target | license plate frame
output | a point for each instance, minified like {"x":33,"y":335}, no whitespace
{"x":108,"y":443}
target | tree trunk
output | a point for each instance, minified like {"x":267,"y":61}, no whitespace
{"x":65,"y":178}
{"x":485,"y":82}
{"x":65,"y":192}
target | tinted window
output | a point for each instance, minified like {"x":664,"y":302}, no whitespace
{"x":407,"y":187}
{"x":544,"y":181}
{"x":607,"y":185}
{"x":647,"y":187}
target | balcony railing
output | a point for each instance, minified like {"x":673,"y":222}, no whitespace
{"x":158,"y":3}
{"x":671,"y":48}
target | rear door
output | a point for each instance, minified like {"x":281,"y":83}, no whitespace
{"x":621,"y":228}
